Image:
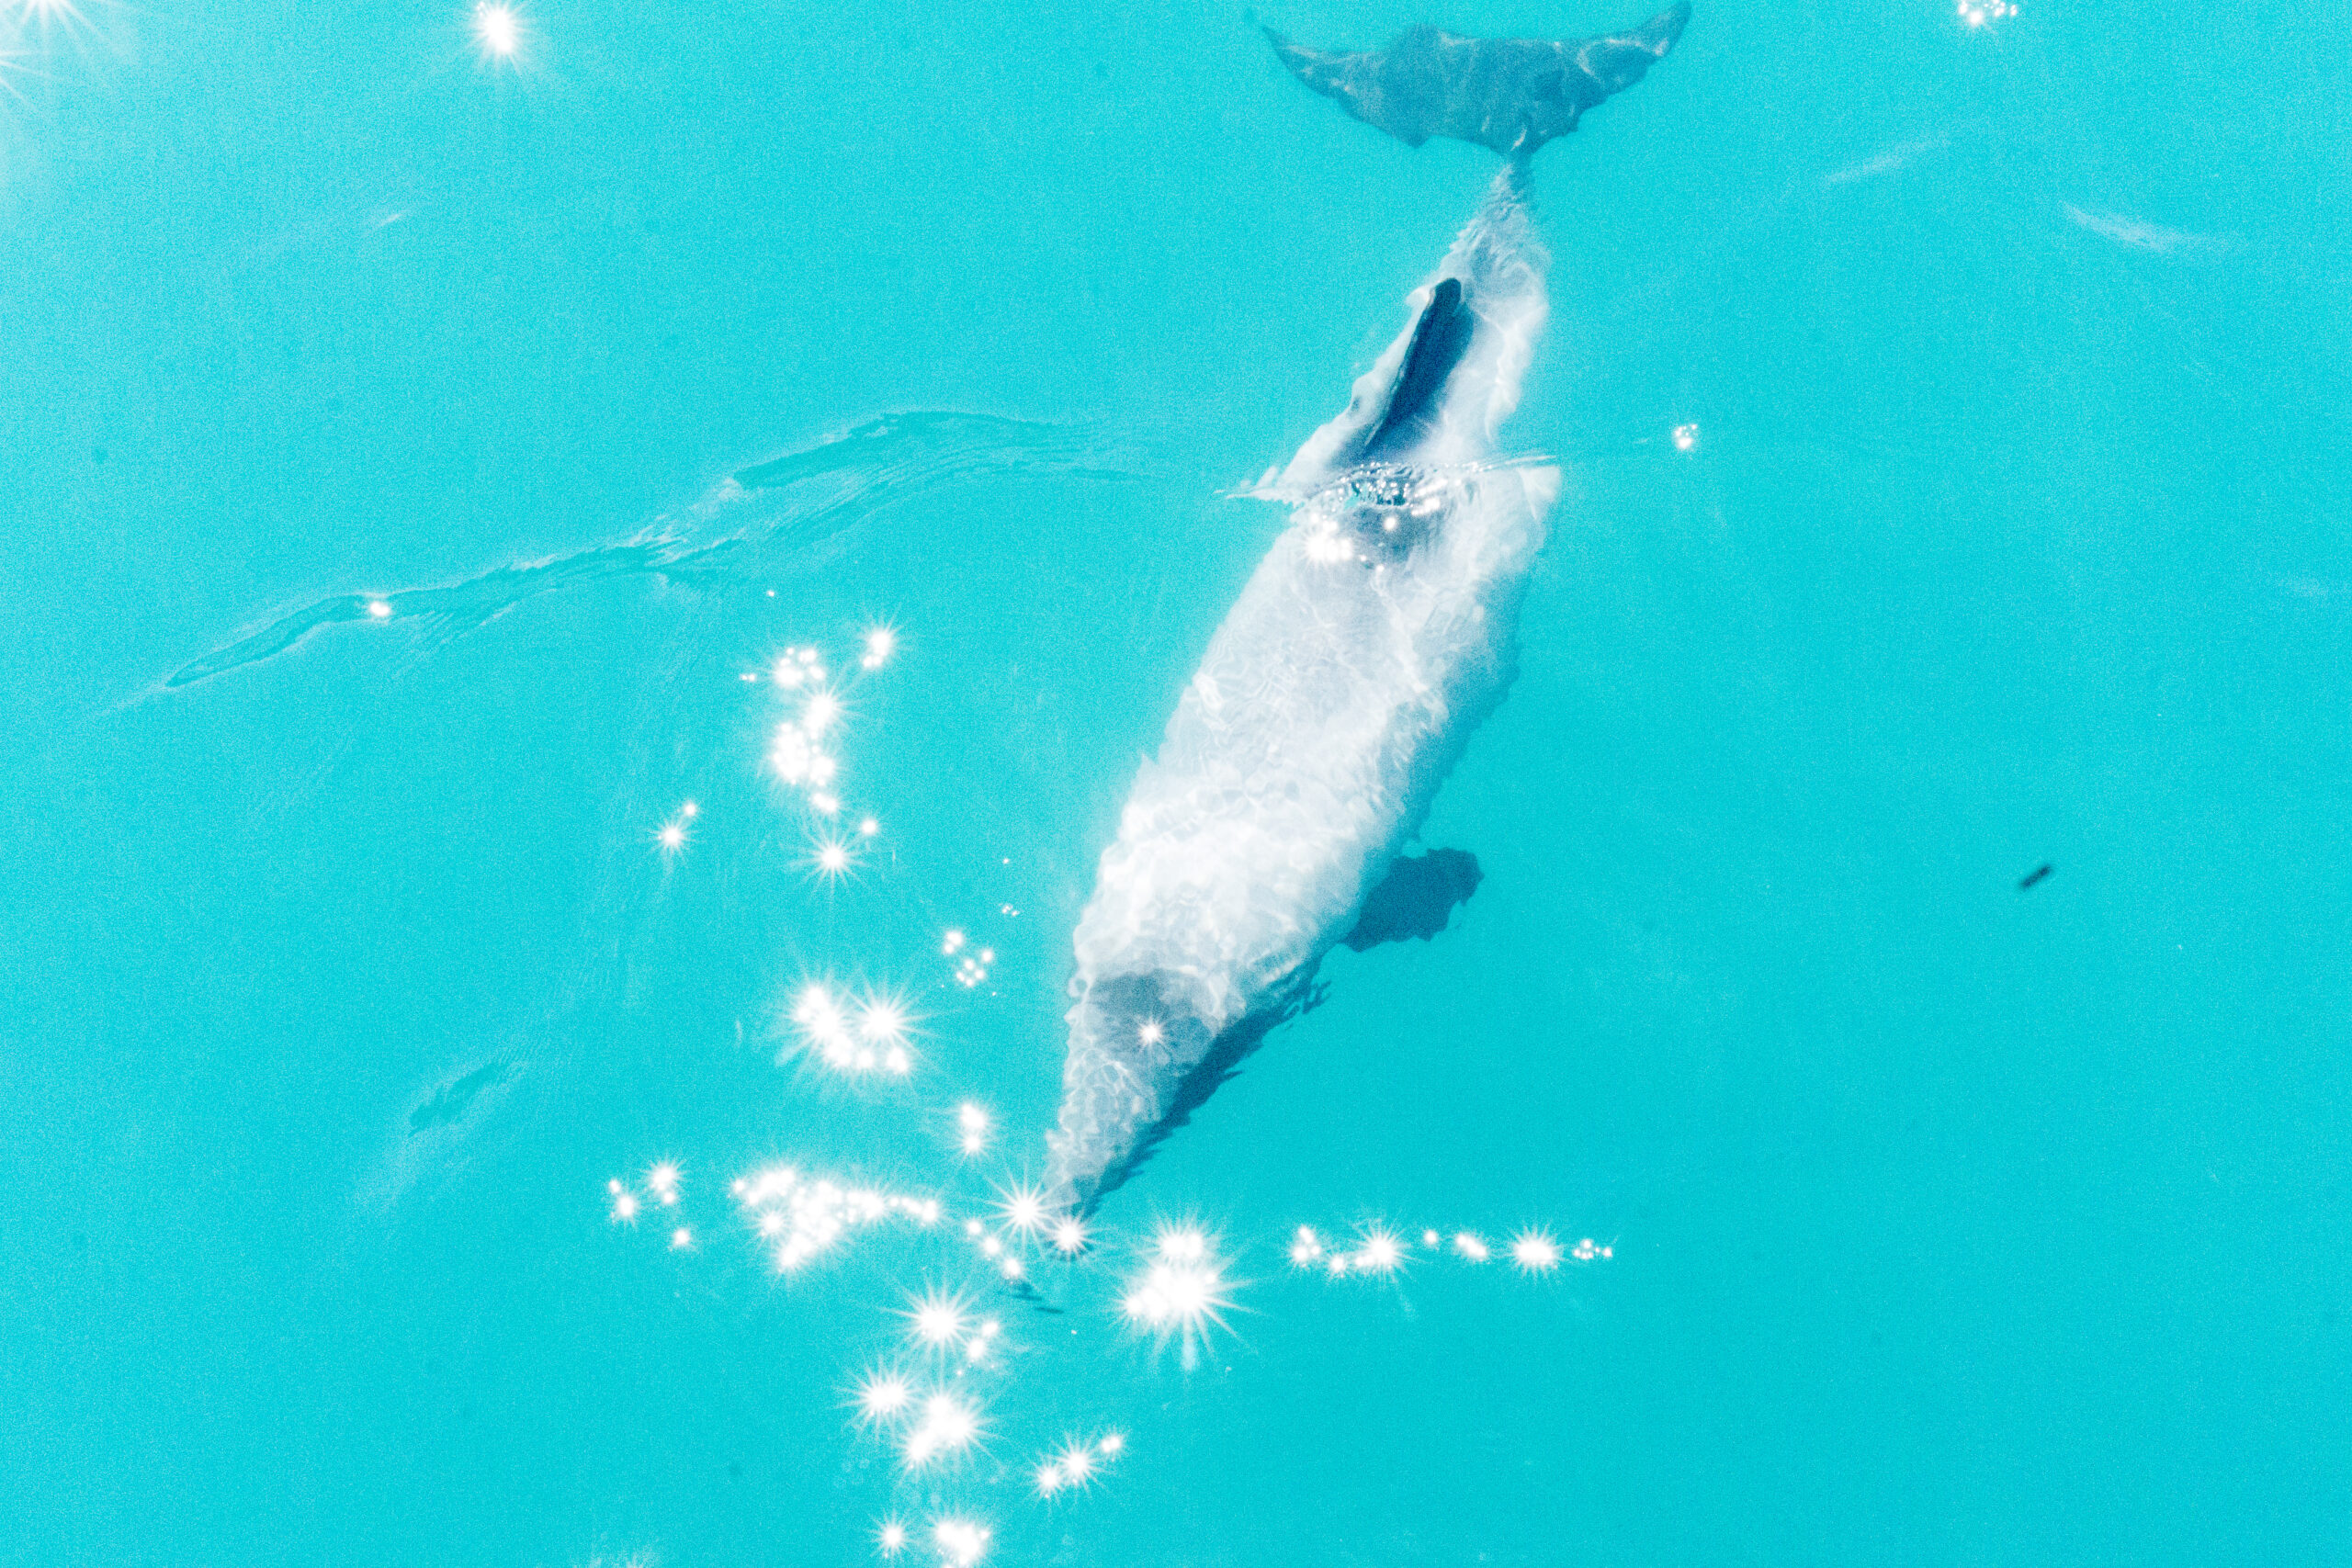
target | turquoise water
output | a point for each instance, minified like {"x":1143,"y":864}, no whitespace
{"x":1950,"y":1221}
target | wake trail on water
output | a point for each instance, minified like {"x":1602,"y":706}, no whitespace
{"x":806,"y":499}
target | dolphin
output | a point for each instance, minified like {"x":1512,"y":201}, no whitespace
{"x":1512,"y":95}
{"x":1304,"y":752}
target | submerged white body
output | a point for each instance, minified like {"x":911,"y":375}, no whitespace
{"x":1331,"y":701}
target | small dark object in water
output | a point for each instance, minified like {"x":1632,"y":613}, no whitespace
{"x":450,"y":1102}
{"x":2036,"y":875}
{"x":1416,"y":899}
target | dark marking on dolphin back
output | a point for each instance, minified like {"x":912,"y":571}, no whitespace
{"x":1439,"y":340}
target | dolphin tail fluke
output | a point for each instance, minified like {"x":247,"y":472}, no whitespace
{"x":1350,"y":79}
{"x":1512,"y":95}
{"x":1618,"y":63}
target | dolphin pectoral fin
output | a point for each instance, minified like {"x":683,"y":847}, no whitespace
{"x":1416,"y":899}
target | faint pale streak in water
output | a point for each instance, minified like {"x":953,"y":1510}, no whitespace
{"x":2175,"y":243}
{"x":1886,"y":163}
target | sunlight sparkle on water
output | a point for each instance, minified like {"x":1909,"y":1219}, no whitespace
{"x":498,"y":29}
{"x":1075,"y":1462}
{"x":803,"y":1217}
{"x":949,"y":1426}
{"x":1471,"y":1247}
{"x":936,"y":1320}
{"x":961,"y":1542}
{"x":881,"y":643}
{"x":663,"y":1178}
{"x":831,"y":859}
{"x":882,"y":1394}
{"x":1181,"y":1294}
{"x":1535,"y":1252}
{"x":875,"y":1040}
{"x":1070,"y":1236}
{"x":819,"y":716}
{"x":1381,"y":1253}
{"x":380,"y":609}
{"x":971,"y":1127}
{"x":890,"y":1538}
{"x":1023,"y":1209}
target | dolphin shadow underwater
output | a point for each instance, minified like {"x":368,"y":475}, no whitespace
{"x":1376,"y":634}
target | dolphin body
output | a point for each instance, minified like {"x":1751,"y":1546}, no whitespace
{"x":1344,"y":684}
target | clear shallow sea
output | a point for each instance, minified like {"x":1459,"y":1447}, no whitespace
{"x":341,"y":968}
